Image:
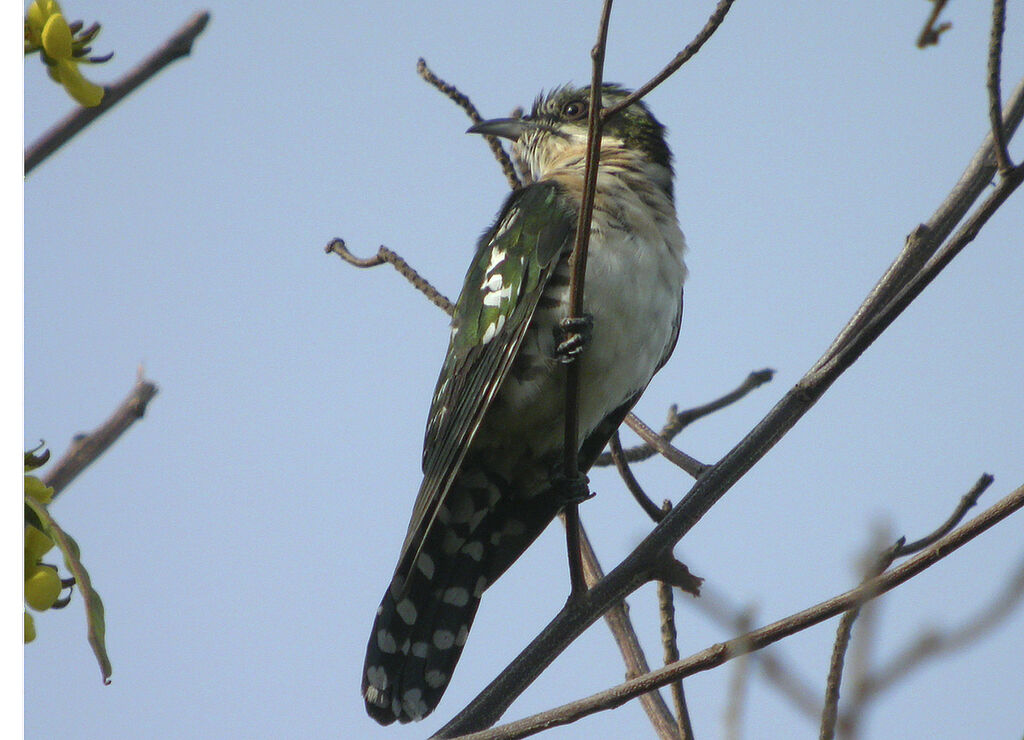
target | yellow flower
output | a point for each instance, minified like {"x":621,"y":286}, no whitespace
{"x":63,"y":48}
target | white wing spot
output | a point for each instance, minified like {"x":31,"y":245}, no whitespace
{"x":497,"y":257}
{"x":456,"y":596}
{"x":475,"y":550}
{"x":505,"y":224}
{"x":443,"y":639}
{"x":489,"y":333}
{"x":460,"y":639}
{"x":494,"y":282}
{"x":420,"y":649}
{"x":435,"y":679}
{"x":406,"y":610}
{"x":499,"y":323}
{"x":386,"y":642}
{"x":426,"y":565}
{"x":481,"y":585}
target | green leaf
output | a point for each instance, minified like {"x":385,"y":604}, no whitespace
{"x":93,"y":603}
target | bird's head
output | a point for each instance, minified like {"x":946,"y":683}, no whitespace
{"x":554,"y":134}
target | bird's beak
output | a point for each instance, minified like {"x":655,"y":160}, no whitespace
{"x":509,"y":128}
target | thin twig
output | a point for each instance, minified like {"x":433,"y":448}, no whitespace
{"x":577,"y":276}
{"x":337,"y":246}
{"x":738,"y":683}
{"x":717,"y":16}
{"x":929,"y":35}
{"x":618,"y":621}
{"x":679,"y":420}
{"x":777,"y":670}
{"x":670,"y":646}
{"x":720,"y":653}
{"x":177,"y":46}
{"x":460,"y":99}
{"x":995,"y":105}
{"x":651,"y":509}
{"x":692,"y":466}
{"x":87,"y":448}
{"x":968,"y":500}
{"x":875,"y":567}
{"x":933,"y":643}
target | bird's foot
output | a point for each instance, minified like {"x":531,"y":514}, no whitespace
{"x":572,"y":335}
{"x":572,"y":490}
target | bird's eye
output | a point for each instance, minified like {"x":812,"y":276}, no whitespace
{"x":574,"y":110}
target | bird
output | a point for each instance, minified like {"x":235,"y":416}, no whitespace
{"x":493,"y":450}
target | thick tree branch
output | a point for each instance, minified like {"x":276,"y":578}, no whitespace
{"x":86,"y":448}
{"x":177,"y":46}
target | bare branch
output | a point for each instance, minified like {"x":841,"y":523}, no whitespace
{"x":723,"y":652}
{"x":738,"y":682}
{"x":667,"y":611}
{"x":933,"y":643}
{"x":618,"y":621}
{"x":631,"y":482}
{"x":779,"y":673}
{"x":679,"y":420}
{"x":717,"y":16}
{"x":878,"y":565}
{"x":995,"y":105}
{"x":177,"y":46}
{"x":87,"y":448}
{"x":968,"y":500}
{"x":460,"y":99}
{"x":337,"y":246}
{"x":577,"y":277}
{"x":691,"y":466}
{"x":929,"y":35}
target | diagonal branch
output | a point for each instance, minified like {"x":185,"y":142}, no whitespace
{"x":460,"y":99}
{"x":337,"y":246}
{"x":717,"y":16}
{"x":177,"y":46}
{"x":86,"y":448}
{"x":679,"y":420}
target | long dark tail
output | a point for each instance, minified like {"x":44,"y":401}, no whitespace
{"x":424,"y":619}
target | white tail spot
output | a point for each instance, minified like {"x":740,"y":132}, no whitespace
{"x":406,"y":610}
{"x":443,"y":639}
{"x":456,"y":596}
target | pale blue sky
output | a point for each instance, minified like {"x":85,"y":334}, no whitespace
{"x":241,"y":535}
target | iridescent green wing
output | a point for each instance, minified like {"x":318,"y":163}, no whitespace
{"x":513,"y":261}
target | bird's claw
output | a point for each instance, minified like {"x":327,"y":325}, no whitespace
{"x":572,"y":490}
{"x":572,"y":335}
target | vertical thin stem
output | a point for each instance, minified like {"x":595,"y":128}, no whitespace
{"x":578,"y":265}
